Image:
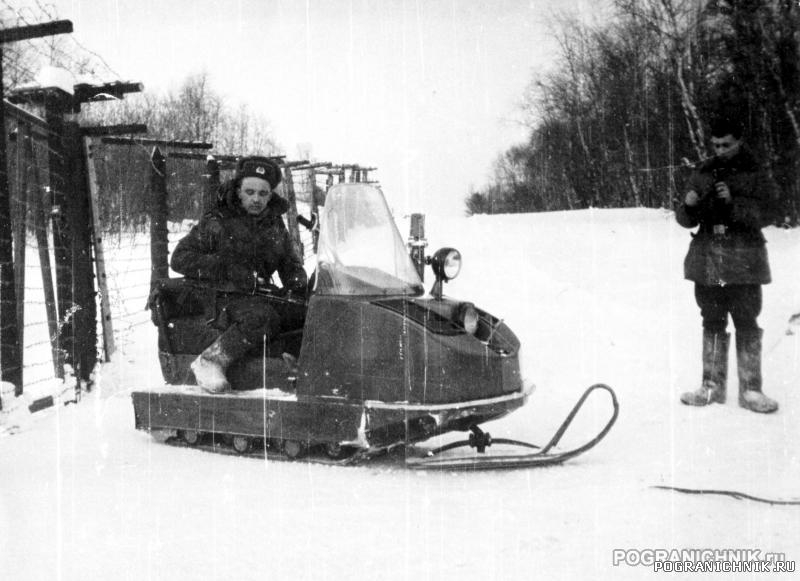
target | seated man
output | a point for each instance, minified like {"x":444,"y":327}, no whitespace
{"x":235,"y":247}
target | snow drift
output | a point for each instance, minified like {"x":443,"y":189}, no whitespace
{"x":594,"y":296}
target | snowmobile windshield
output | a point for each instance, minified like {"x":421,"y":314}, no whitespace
{"x":360,"y":250}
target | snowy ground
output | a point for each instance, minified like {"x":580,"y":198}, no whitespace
{"x":595,"y":296}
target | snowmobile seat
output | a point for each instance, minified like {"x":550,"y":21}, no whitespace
{"x":178,"y":309}
{"x":182,"y":311}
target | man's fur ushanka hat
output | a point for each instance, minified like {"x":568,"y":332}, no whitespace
{"x":258,"y":167}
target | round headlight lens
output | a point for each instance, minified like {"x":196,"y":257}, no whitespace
{"x":452,"y":264}
{"x":468,"y":318}
{"x":446,"y":263}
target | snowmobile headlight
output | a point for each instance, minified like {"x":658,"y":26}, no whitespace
{"x":468,"y":317}
{"x":446,"y":263}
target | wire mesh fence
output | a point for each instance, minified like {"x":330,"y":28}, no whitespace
{"x":84,"y":211}
{"x":124,"y":213}
{"x":29,"y":176}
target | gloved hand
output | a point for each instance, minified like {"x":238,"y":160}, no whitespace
{"x":299,"y":294}
{"x":296,"y":286}
{"x":723,"y":192}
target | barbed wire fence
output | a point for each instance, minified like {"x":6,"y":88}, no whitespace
{"x":33,"y":256}
{"x":47,"y":308}
{"x":93,"y":215}
{"x":24,"y":59}
{"x":125,"y":220}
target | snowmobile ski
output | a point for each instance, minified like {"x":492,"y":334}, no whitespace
{"x":481,"y":440}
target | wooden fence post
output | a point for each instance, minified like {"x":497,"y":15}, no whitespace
{"x":10,"y":349}
{"x":316,"y":194}
{"x":19,"y":213}
{"x":54,"y":115}
{"x":79,"y":215}
{"x":40,"y":216}
{"x":212,"y":184}
{"x":291,"y":214}
{"x":159,"y":235}
{"x":99,"y":251}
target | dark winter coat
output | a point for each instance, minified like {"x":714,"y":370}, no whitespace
{"x":231,"y":249}
{"x":737,"y":253}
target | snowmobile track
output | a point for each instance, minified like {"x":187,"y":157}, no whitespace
{"x":408,"y":456}
{"x":270,"y":452}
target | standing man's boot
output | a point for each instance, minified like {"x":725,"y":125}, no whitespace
{"x":209,"y":368}
{"x":715,"y":370}
{"x":748,"y":357}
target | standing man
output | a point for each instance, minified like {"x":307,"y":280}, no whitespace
{"x":730,"y":198}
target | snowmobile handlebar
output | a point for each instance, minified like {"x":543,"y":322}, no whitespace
{"x":281,"y":294}
{"x":268,"y":290}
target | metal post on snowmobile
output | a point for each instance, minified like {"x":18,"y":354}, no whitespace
{"x":417,"y":243}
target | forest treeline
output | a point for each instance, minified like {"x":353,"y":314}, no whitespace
{"x":623,"y":114}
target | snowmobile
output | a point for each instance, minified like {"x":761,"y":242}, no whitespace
{"x":373,"y":361}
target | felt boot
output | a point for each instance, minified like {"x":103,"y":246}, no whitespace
{"x":715,"y":371}
{"x":209,"y":368}
{"x":748,"y":359}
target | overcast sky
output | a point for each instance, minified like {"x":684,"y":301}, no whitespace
{"x":427,"y":91}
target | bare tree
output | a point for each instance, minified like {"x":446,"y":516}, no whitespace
{"x":628,"y":99}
